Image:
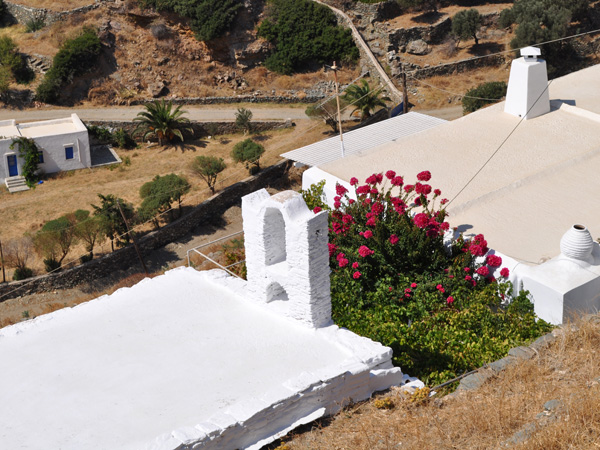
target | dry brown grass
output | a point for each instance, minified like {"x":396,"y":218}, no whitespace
{"x":55,"y":5}
{"x":568,"y":371}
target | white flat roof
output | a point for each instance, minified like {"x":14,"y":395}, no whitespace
{"x":543,"y":179}
{"x":175,"y":351}
{"x":48,"y":128}
{"x":363,"y":139}
{"x":9,"y":131}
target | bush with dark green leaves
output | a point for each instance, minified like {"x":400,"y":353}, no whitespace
{"x":304,"y":33}
{"x":466,"y":24}
{"x":75,"y":57}
{"x":112,"y":224}
{"x":249,"y":153}
{"x":29,"y":152}
{"x":208,"y":168}
{"x":210,"y":19}
{"x":159,"y":195}
{"x":13,"y":60}
{"x":482,"y":95}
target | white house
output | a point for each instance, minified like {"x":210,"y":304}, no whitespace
{"x":522,"y":172}
{"x":194,"y":359}
{"x":63,"y":143}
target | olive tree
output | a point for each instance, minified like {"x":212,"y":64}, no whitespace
{"x":466,"y":24}
{"x":249,"y":153}
{"x":208,"y":168}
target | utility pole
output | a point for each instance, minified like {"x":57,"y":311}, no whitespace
{"x":2,"y":262}
{"x":337,"y":98}
{"x":132,"y":238}
{"x":404,"y":92}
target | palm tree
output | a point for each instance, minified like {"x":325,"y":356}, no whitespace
{"x":364,"y":99}
{"x":161,"y":120}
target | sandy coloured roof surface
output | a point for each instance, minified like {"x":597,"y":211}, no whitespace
{"x":541,"y":179}
{"x":47,"y":128}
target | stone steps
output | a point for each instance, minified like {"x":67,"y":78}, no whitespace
{"x":16,"y":184}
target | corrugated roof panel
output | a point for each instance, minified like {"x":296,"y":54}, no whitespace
{"x":363,"y":139}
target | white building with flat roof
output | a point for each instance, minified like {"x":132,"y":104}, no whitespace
{"x":521,"y":179}
{"x":63,"y":143}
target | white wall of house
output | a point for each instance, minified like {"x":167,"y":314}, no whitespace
{"x":54,"y":138}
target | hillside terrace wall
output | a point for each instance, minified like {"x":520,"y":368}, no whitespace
{"x":23,"y":14}
{"x":126,"y":257}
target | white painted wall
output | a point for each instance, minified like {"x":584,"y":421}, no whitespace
{"x":55,"y":135}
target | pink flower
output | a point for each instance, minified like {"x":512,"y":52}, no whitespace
{"x":504,"y":272}
{"x":422,"y":189}
{"x":347,"y":218}
{"x":356,"y":275}
{"x":413,"y":285}
{"x":332,"y":249}
{"x":437,"y":192}
{"x":390,"y":288}
{"x":494,"y":261}
{"x":444,"y":201}
{"x":317,"y":209}
{"x":407,"y":291}
{"x":355,"y":265}
{"x":367,"y":234}
{"x":364,"y":189}
{"x":397,"y":181}
{"x":353,"y":181}
{"x":351,"y":201}
{"x":450,"y":300}
{"x":467,"y":269}
{"x":365,"y":251}
{"x":450,"y":276}
{"x":372,"y":179}
{"x":468,"y":278}
{"x":408,"y":188}
{"x":483,"y":271}
{"x":440,"y":288}
{"x":393,"y":239}
{"x":421,"y":220}
{"x":340,"y":256}
{"x":379,"y":177}
{"x":374,"y":191}
{"x":377,"y":208}
{"x":337,"y":205}
{"x":424,"y":176}
{"x":340,"y":190}
{"x":390,"y":174}
{"x":371,"y":222}
{"x":343,"y":262}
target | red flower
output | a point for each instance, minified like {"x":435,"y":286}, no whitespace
{"x":379,"y":177}
{"x":397,"y":181}
{"x":337,"y":205}
{"x":393,"y":239}
{"x":355,"y":265}
{"x":332,"y":249}
{"x":407,"y":291}
{"x":374,"y":191}
{"x":347,"y":218}
{"x":343,"y":262}
{"x":340,"y":256}
{"x":371,"y":222}
{"x":365,"y":251}
{"x":440,"y":288}
{"x":372,"y":179}
{"x":317,"y":209}
{"x":443,"y":201}
{"x":413,"y":285}
{"x":367,"y":234}
{"x":408,"y":188}
{"x":483,"y":271}
{"x":422,"y":189}
{"x":390,"y":174}
{"x":494,"y":261}
{"x":437,"y":192}
{"x":340,"y":190}
{"x":504,"y":272}
{"x":421,"y":220}
{"x":450,"y":300}
{"x":467,"y":269}
{"x":390,"y":288}
{"x":364,"y":189}
{"x":377,"y":208}
{"x":356,"y":275}
{"x":468,"y":278}
{"x":424,"y":176}
{"x":353,"y":181}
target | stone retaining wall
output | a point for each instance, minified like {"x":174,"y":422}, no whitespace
{"x":23,"y":14}
{"x":125,"y":258}
{"x":238,"y":99}
{"x":457,"y":67}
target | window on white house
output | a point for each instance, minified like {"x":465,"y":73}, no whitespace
{"x":41,"y":157}
{"x":69,"y":152}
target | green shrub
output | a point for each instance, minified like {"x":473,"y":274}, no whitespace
{"x":13,"y":60}
{"x":507,"y":18}
{"x":304,"y":33}
{"x":483,"y":95}
{"x":33,"y":25}
{"x":466,"y":24}
{"x":208,"y":168}
{"x":51,"y":265}
{"x":123,"y":139}
{"x":29,"y":151}
{"x":22,"y":273}
{"x":394,"y":280}
{"x":249,"y":153}
{"x":75,"y":57}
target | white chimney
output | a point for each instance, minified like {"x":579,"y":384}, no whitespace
{"x":527,"y":94}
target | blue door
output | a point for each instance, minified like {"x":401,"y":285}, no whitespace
{"x":13,"y":170}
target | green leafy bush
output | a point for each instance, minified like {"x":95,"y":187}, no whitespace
{"x":304,"y":33}
{"x":249,"y":153}
{"x":482,"y":95}
{"x":395,"y":280}
{"x":29,"y":151}
{"x":209,"y":18}
{"x":507,"y":18}
{"x":54,"y":241}
{"x":159,"y":194}
{"x":22,"y":273}
{"x":75,"y":57}
{"x":123,"y":139}
{"x":208,"y":168}
{"x":13,"y":60}
{"x":35,"y":24}
{"x":466,"y":24}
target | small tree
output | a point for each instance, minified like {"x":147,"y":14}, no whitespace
{"x":249,"y":153}
{"x":364,"y":98}
{"x":89,"y":230}
{"x":53,"y":242}
{"x":208,"y":168}
{"x":111,"y":220}
{"x":243,"y":118}
{"x":29,"y":151}
{"x":483,"y":95}
{"x":466,"y":24}
{"x":159,"y":194}
{"x":16,"y":255}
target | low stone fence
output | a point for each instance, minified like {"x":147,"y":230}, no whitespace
{"x":201,"y":129}
{"x":238,"y":99}
{"x":457,"y":67}
{"x":126,"y":257}
{"x":23,"y":14}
